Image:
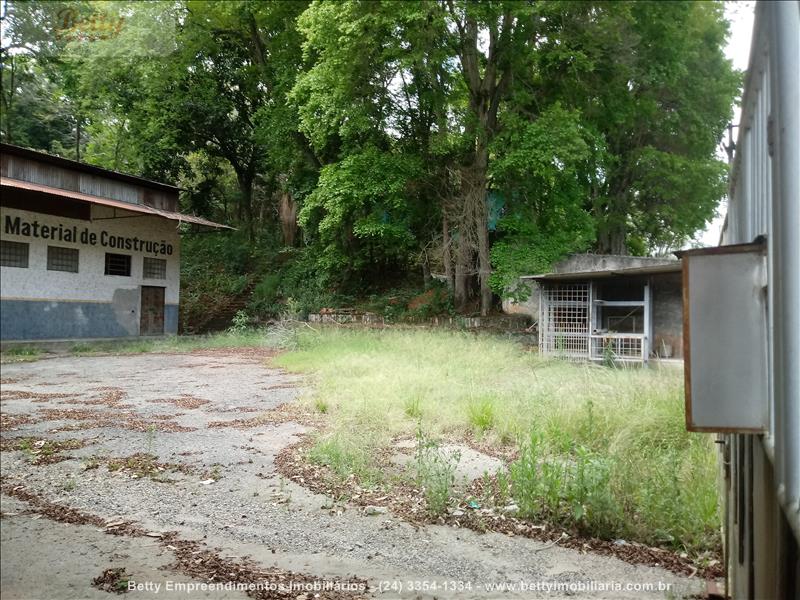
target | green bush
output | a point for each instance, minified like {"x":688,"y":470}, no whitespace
{"x":436,"y":472}
{"x":344,"y":458}
{"x":571,"y":490}
{"x":265,"y":299}
{"x":241,"y":323}
{"x":302,"y":280}
{"x":481,"y":415}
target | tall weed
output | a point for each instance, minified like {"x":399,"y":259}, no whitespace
{"x":436,"y":472}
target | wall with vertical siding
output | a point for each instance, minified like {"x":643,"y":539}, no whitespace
{"x":33,"y":171}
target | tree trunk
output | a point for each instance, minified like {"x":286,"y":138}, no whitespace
{"x":8,"y":100}
{"x":447,"y":254}
{"x":484,"y":263}
{"x":245,"y":181}
{"x":462,"y":271}
{"x":480,"y":219}
{"x":611,"y":217}
{"x":118,"y":144}
{"x":487,"y":75}
{"x":611,"y":240}
{"x":287,"y":213}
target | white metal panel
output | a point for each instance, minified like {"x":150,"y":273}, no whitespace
{"x":726,"y":331}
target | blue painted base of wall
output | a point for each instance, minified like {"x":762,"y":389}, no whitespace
{"x":51,"y":320}
{"x":171,"y":319}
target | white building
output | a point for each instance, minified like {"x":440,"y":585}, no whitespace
{"x":86,"y":252}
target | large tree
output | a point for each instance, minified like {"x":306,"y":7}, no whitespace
{"x":651,"y":80}
{"x":213,"y":81}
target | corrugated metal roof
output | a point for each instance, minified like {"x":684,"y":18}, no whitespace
{"x":85,"y":167}
{"x":6,"y":182}
{"x":629,"y":272}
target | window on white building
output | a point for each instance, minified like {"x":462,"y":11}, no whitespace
{"x":14,"y":254}
{"x":62,"y":259}
{"x":154,"y":268}
{"x":118,"y":264}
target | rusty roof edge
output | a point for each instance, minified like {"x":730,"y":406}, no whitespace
{"x":674,"y":267}
{"x":81,"y":197}
{"x":69,"y":163}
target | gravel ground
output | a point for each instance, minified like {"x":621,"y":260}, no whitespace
{"x":227,"y":492}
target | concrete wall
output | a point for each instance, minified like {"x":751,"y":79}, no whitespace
{"x":580,"y":263}
{"x":37,"y":304}
{"x":667,"y":315}
{"x":529,"y":307}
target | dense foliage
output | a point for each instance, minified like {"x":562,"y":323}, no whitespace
{"x":358,"y":145}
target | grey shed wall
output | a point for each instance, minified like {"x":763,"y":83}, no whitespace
{"x":667,"y":315}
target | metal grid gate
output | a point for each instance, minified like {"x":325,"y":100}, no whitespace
{"x":564,"y":320}
{"x":619,"y":347}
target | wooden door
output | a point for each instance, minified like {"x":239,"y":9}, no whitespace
{"x":152,"y":322}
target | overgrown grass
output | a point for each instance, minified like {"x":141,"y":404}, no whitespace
{"x":20,"y":354}
{"x":602,"y":450}
{"x":276,"y":337}
{"x":435,"y":472}
{"x":247,"y":338}
{"x":347,"y":455}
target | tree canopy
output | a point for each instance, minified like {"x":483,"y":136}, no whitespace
{"x":475,"y":141}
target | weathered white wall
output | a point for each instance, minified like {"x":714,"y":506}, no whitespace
{"x":90,"y":284}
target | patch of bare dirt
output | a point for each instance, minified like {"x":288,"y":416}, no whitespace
{"x":11,"y":422}
{"x":65,"y":514}
{"x":196,"y":560}
{"x":280,"y":386}
{"x":403,"y":499}
{"x":102,"y":419}
{"x":237,"y":409}
{"x":204,"y":564}
{"x":183,"y":401}
{"x":285,"y":413}
{"x":43,"y":451}
{"x":249,"y":353}
{"x":112,"y":398}
{"x":508,"y":454}
{"x":142,"y":464}
{"x":112,"y":580}
{"x":34,"y":396}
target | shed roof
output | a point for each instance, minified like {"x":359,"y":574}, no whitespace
{"x":674,"y":267}
{"x":7,"y":183}
{"x":75,"y":165}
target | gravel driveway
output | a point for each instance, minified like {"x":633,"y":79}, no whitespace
{"x":145,"y":440}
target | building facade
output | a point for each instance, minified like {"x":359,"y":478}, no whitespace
{"x":86,"y":252}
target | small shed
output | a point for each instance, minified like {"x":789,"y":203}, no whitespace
{"x":621,"y":313}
